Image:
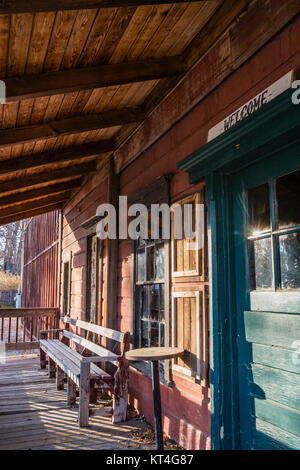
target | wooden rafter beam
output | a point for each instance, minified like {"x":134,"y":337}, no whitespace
{"x":31,"y":213}
{"x":48,"y":176}
{"x":69,"y":154}
{"x":71,"y":125}
{"x":44,"y":202}
{"x":66,"y":81}
{"x":39,"y":192}
{"x":31,"y":6}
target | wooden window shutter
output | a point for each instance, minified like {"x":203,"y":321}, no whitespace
{"x":186,"y":260}
{"x":190,"y":332}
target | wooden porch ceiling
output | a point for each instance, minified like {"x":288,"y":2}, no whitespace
{"x":79,"y":82}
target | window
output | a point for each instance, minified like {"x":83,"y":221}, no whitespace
{"x":66,"y":284}
{"x":274,"y":234}
{"x":149,"y":293}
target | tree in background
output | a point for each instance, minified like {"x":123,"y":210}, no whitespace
{"x":11,"y":237}
{"x":9,"y":281}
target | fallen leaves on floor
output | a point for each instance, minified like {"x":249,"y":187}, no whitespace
{"x":147,"y":437}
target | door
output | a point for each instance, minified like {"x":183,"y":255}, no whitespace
{"x":95,"y":280}
{"x":266,"y":248}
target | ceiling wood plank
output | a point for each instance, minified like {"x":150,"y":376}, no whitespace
{"x":67,"y":81}
{"x":69,"y":154}
{"x":37,"y":193}
{"x":26,"y":6}
{"x":21,"y":182}
{"x":45,"y":201}
{"x":31,"y":213}
{"x":218,"y":23}
{"x":71,"y":125}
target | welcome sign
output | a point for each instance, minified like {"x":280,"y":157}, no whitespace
{"x":252,"y":106}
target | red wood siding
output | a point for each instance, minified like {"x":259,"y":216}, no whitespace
{"x":80,"y":208}
{"x":41,"y":261}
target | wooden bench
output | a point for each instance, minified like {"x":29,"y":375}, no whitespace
{"x":81,"y":369}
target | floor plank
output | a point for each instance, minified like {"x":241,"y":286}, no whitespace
{"x":34,"y":415}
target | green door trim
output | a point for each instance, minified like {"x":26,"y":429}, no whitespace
{"x":272,"y":129}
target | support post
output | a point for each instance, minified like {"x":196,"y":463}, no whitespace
{"x":157,"y":405}
{"x":84,"y":394}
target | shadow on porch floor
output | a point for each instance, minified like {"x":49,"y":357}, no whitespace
{"x":34,"y":415}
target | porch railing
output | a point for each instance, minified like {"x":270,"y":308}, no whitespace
{"x":20,"y":327}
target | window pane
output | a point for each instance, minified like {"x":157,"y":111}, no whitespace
{"x":150,"y":263}
{"x":162,"y":334}
{"x":289,"y":249}
{"x":288,"y":196}
{"x":159,"y":262}
{"x":154,"y":334}
{"x":142,"y":305}
{"x":162,"y":302}
{"x":261,"y":271}
{"x":259,"y":209}
{"x":141,"y":269}
{"x":155,"y":302}
{"x":145,"y":330}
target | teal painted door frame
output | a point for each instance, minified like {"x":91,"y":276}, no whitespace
{"x":270,"y":131}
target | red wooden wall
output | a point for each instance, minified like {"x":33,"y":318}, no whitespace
{"x":41,"y":261}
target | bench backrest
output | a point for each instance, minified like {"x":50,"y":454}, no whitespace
{"x":115,"y":335}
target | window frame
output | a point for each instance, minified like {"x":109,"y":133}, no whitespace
{"x":273,"y":233}
{"x":157,"y":192}
{"x":137,"y":322}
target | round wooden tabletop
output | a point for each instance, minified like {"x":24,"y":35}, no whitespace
{"x":153,"y":354}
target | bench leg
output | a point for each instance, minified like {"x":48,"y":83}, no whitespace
{"x":84,"y":394}
{"x":42,"y":359}
{"x":59,"y":378}
{"x":93,"y":392}
{"x":51,"y":368}
{"x":120,"y":395}
{"x":71,"y":392}
{"x":120,"y":408}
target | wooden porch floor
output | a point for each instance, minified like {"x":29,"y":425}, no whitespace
{"x":34,"y":415}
